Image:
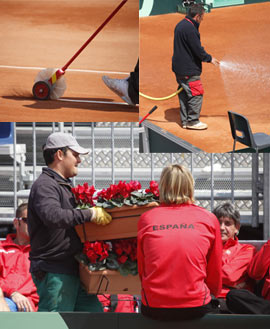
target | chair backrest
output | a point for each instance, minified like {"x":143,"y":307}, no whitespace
{"x":6,"y":132}
{"x":239,"y":123}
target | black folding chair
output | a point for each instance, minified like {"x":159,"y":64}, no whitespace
{"x":241,"y":132}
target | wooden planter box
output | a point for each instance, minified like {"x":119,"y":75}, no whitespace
{"x":123,"y":225}
{"x":109,"y":282}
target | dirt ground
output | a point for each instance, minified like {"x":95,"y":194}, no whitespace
{"x":237,"y":35}
{"x":44,"y":34}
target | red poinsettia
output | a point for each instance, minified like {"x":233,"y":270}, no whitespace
{"x":153,"y":188}
{"x":84,"y":194}
{"x":120,"y":191}
{"x":96,"y":251}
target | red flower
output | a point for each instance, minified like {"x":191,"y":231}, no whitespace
{"x":84,"y":194}
{"x":135,"y":185}
{"x":120,"y":191}
{"x":92,"y":256}
{"x":122,"y":259}
{"x":125,"y":249}
{"x":96,"y":251}
{"x":153,"y":188}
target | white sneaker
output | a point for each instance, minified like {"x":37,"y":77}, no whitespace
{"x":198,"y":126}
{"x":119,"y":87}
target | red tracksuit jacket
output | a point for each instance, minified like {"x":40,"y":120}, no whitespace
{"x":235,"y":260}
{"x":179,"y":256}
{"x":125,"y":303}
{"x":259,"y":267}
{"x":14,"y":270}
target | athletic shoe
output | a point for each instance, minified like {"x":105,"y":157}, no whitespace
{"x":119,"y":87}
{"x":197,"y":126}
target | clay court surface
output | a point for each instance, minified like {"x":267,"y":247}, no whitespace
{"x":46,"y":34}
{"x":239,"y":36}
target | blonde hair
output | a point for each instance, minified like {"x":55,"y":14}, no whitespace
{"x":176,"y":185}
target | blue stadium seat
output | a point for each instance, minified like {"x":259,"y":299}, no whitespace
{"x":6,"y":132}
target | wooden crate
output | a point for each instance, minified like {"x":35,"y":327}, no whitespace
{"x":123,"y":225}
{"x":109,"y":282}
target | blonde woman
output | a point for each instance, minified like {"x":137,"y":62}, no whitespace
{"x":179,"y":252}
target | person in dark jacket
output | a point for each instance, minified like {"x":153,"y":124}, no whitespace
{"x":52,"y":215}
{"x":187,"y":61}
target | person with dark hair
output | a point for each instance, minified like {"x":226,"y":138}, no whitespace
{"x":236,"y":256}
{"x":188,"y":55}
{"x":179,"y":252}
{"x":15,"y":278}
{"x":128,"y":88}
{"x":52,"y":215}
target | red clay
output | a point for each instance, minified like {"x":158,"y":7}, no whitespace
{"x":239,"y":34}
{"x":47,"y":34}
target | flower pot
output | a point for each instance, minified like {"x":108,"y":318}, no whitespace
{"x":123,"y":225}
{"x":109,"y":282}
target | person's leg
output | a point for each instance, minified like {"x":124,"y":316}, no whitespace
{"x":133,"y":85}
{"x":193,"y":90}
{"x":57,"y":292}
{"x":128,"y":88}
{"x":241,"y":301}
{"x":194,"y":109}
{"x":12,"y":306}
{"x":87,"y":302}
{"x":183,"y":100}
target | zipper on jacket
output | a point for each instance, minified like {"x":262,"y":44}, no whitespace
{"x":205,"y":295}
{"x":145,"y":297}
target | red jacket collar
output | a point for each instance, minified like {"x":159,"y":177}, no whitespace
{"x":230,"y":243}
{"x":9,"y":242}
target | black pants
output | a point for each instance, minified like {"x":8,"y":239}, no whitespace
{"x":133,"y":85}
{"x":241,"y":301}
{"x":172,"y":314}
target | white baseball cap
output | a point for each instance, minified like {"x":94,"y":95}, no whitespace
{"x":59,"y":140}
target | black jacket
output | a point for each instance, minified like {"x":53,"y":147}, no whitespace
{"x":51,"y":221}
{"x":188,"y":53}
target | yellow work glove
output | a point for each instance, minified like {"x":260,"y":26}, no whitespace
{"x":100,"y":216}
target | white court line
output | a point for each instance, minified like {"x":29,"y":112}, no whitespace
{"x":95,"y":102}
{"x":71,"y":70}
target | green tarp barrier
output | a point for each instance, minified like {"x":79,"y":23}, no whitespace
{"x":126,"y":321}
{"x":34,"y":320}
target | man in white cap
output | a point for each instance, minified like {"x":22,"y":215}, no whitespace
{"x":52,"y":215}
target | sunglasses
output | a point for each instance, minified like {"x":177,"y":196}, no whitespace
{"x":24,"y":219}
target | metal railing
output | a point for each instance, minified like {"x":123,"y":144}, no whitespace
{"x":114,"y":155}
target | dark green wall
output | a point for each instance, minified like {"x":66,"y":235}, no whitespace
{"x":161,"y":6}
{"x":158,"y":7}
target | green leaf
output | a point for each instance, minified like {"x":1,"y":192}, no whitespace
{"x":128,"y":202}
{"x":117,"y":203}
{"x":137,"y":194}
{"x":112,"y":264}
{"x":142,"y":203}
{"x":123,"y":271}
